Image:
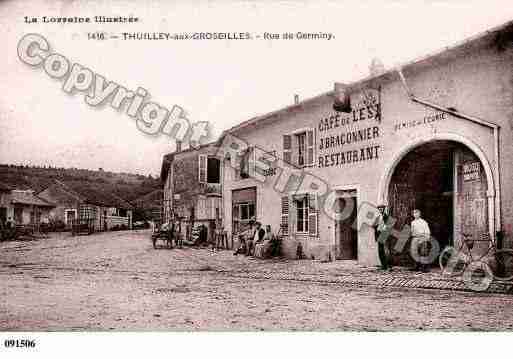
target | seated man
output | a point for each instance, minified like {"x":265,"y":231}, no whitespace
{"x":263,"y":246}
{"x":241,"y":248}
{"x":257,"y":237}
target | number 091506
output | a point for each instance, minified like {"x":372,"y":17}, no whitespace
{"x":19,"y":343}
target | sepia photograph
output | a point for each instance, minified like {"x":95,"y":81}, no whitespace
{"x":254,"y":166}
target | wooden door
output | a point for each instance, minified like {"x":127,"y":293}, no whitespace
{"x":401,"y":203}
{"x":346,"y":233}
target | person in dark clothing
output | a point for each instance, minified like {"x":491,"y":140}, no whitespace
{"x":258,"y":236}
{"x":243,"y":237}
{"x":383,"y":240}
{"x":10,"y":223}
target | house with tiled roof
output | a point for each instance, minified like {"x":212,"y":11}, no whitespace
{"x":77,"y":200}
{"x":22,"y":206}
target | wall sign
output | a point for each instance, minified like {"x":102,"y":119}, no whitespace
{"x":340,"y":134}
{"x":269,"y":158}
{"x":471,"y":171}
{"x":438,"y":116}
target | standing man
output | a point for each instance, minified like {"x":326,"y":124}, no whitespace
{"x":10,"y":223}
{"x":179,"y":232}
{"x":421,"y":237}
{"x":218,"y":234}
{"x":382,"y":237}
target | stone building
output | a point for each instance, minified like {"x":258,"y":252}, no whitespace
{"x":192,"y":187}
{"x":435,"y":135}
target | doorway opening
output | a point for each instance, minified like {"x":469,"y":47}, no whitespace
{"x":346,"y":234}
{"x":446,"y":182}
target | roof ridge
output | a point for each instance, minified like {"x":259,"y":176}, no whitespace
{"x":355,"y":84}
{"x":69,"y":189}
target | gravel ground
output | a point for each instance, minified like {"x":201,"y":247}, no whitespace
{"x":117,"y":281}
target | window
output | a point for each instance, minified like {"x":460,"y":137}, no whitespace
{"x":69,"y":215}
{"x":298,"y":148}
{"x":18,"y":214}
{"x":213,"y":170}
{"x":243,"y":207}
{"x":301,"y":214}
{"x":287,"y":149}
{"x":305,"y":212}
{"x":209,"y":169}
{"x":246,"y":211}
{"x":301,"y":149}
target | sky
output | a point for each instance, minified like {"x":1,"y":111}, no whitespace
{"x":223,"y":82}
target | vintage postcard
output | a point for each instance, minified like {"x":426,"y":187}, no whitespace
{"x":243,"y":166}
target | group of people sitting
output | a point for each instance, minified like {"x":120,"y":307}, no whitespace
{"x":257,"y":241}
{"x":253,"y":241}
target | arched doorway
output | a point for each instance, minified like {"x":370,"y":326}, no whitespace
{"x":449,"y":183}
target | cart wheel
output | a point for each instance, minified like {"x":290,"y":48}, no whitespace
{"x":451,"y":263}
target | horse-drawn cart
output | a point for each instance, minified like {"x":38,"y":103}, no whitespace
{"x":162,"y":233}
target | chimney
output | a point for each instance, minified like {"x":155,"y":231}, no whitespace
{"x":178,"y":146}
{"x":296,"y":99}
{"x":342,"y":98}
{"x":376,"y":67}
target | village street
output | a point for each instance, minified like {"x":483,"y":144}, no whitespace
{"x":117,"y":281}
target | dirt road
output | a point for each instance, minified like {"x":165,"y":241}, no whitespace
{"x":117,"y":281}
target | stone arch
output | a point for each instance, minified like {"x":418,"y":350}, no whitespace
{"x":418,"y":141}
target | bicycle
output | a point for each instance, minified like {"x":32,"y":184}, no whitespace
{"x":495,"y":263}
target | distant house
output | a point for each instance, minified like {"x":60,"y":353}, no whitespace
{"x":75,"y":199}
{"x":149,"y":206}
{"x":192,"y":186}
{"x":23,"y":206}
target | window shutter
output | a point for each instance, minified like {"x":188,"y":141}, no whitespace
{"x":246,"y":163}
{"x":252,"y":162}
{"x":310,"y":146}
{"x":285,"y":215}
{"x":287,"y":148}
{"x":242,"y":166}
{"x":202,"y":171}
{"x":235,"y":218}
{"x":312,"y":215}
